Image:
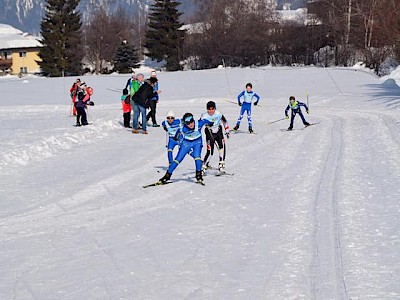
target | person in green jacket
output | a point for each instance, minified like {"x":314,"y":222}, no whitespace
{"x":135,"y":85}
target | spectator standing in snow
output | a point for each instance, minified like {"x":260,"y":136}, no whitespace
{"x":295,"y":106}
{"x":153,"y":103}
{"x":141,"y":101}
{"x":129,"y":82}
{"x":83,"y":100}
{"x":126,"y":107}
{"x":134,"y":87}
{"x":73,"y":91}
{"x":248,"y":96}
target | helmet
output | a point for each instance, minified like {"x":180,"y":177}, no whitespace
{"x":188,"y":118}
{"x":170,"y":113}
{"x":211,"y":104}
{"x":292,"y":98}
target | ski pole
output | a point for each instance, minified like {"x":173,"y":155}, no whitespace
{"x":231,"y":101}
{"x":276,"y":121}
{"x":308,"y":105}
{"x":115,"y":90}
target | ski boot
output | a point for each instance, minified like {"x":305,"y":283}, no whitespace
{"x":251,"y":129}
{"x":165,"y":178}
{"x":236,"y":127}
{"x":205,"y":167}
{"x":199,"y":177}
{"x":221,"y":166}
{"x":78,"y":124}
{"x":290,"y":128}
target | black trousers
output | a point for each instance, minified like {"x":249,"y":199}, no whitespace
{"x":127,"y":119}
{"x":152,"y":113}
{"x":81,"y":116}
{"x":211,"y":139}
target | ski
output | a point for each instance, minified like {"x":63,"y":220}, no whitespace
{"x":311,"y":124}
{"x":224,"y":173}
{"x":241,"y":131}
{"x":200,"y":182}
{"x":157,"y":184}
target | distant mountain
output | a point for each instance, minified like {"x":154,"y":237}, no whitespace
{"x":26,"y":15}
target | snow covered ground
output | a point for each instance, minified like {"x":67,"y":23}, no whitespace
{"x":309,"y":214}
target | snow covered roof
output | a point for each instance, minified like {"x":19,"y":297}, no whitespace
{"x":298,"y":15}
{"x":12,"y":38}
{"x":193,"y":28}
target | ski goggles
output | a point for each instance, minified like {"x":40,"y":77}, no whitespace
{"x":189,"y":120}
{"x":170,"y":118}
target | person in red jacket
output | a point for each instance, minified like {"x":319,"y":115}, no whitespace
{"x":126,"y":107}
{"x":73,"y":92}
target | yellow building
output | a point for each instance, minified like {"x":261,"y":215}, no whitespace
{"x":18,"y":51}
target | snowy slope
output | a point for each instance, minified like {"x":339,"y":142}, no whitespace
{"x":309,"y":214}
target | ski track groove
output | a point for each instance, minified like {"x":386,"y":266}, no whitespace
{"x":327,"y":264}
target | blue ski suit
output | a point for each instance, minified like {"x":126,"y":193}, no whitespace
{"x":246,"y":105}
{"x":191,"y":142}
{"x":172,"y":130}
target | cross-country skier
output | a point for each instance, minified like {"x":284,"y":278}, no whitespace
{"x":191,"y":141}
{"x":171,"y":126}
{"x":248,"y":96}
{"x":295,"y":106}
{"x":215,"y":135}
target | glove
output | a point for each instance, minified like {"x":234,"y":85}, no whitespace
{"x":255,"y":103}
{"x":240,"y":103}
{"x":307,"y":111}
{"x":287,"y":117}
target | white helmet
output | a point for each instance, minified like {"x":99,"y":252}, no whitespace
{"x":170,"y":113}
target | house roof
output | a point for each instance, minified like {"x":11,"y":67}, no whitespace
{"x":12,"y":38}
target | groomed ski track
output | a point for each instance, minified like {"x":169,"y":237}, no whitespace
{"x":309,"y":214}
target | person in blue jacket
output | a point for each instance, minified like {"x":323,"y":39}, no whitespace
{"x":248,"y":96}
{"x":171,"y":126}
{"x":295,"y":106}
{"x":191,"y":142}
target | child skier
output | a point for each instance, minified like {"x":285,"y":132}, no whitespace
{"x":295,"y":106}
{"x":215,"y":135}
{"x":191,"y":142}
{"x":248,"y":96}
{"x":171,"y":126}
{"x":126,"y":107}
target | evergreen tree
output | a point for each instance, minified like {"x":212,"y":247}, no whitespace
{"x":126,"y":57}
{"x":61,"y":53}
{"x":163,"y":37}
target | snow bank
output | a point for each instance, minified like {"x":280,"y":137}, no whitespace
{"x":51,"y":145}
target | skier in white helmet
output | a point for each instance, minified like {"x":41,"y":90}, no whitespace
{"x":171,"y":126}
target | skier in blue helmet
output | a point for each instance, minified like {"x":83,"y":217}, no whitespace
{"x":191,"y":142}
